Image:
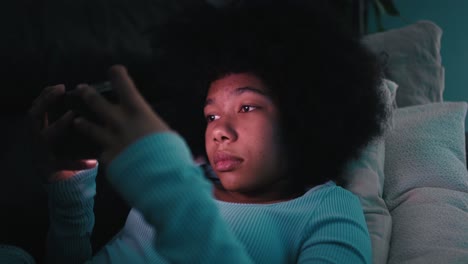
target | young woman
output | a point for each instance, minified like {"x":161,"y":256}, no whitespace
{"x":282,"y":86}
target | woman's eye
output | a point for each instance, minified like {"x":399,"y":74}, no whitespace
{"x":211,"y":118}
{"x":247,"y":108}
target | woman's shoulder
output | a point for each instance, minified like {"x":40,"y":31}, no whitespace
{"x":337,"y":209}
{"x":330,"y":196}
{"x":329,"y":190}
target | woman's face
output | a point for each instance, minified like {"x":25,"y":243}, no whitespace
{"x":242,"y":136}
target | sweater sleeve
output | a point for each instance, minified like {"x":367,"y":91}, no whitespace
{"x":71,"y":218}
{"x":157,"y":176}
{"x":340,"y":234}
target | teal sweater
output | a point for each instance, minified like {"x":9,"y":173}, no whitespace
{"x":175,"y":218}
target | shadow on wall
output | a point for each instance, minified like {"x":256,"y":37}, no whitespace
{"x":50,"y":42}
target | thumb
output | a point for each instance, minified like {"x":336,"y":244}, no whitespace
{"x":125,"y":87}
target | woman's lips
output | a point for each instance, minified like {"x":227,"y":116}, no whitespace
{"x":226,"y":165}
{"x":224,"y":161}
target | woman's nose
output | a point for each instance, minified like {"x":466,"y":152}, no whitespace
{"x":224,"y":131}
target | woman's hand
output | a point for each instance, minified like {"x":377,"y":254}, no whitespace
{"x":52,"y":167}
{"x":120,"y":124}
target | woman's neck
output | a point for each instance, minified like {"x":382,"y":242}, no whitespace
{"x":280,"y":193}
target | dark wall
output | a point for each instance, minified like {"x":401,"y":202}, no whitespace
{"x":49,"y":42}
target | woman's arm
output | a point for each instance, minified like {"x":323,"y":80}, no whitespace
{"x":71,"y":184}
{"x":71,"y":218}
{"x":157,"y":176}
{"x":71,"y":224}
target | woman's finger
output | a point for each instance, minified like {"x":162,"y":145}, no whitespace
{"x":125,"y":87}
{"x":58,"y":128}
{"x":99,"y":134}
{"x":103,"y":109}
{"x":48,"y":96}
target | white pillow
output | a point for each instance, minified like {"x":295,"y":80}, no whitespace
{"x":426,"y":148}
{"x":411,"y":56}
{"x":426,"y":184}
{"x":430,"y":226}
{"x":365,"y":178}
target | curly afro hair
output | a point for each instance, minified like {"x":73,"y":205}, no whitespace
{"x":323,"y":80}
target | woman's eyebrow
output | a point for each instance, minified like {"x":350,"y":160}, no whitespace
{"x":242,"y":90}
{"x":239,"y":91}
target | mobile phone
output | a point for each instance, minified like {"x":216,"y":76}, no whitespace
{"x":72,"y":144}
{"x":73,"y":102}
